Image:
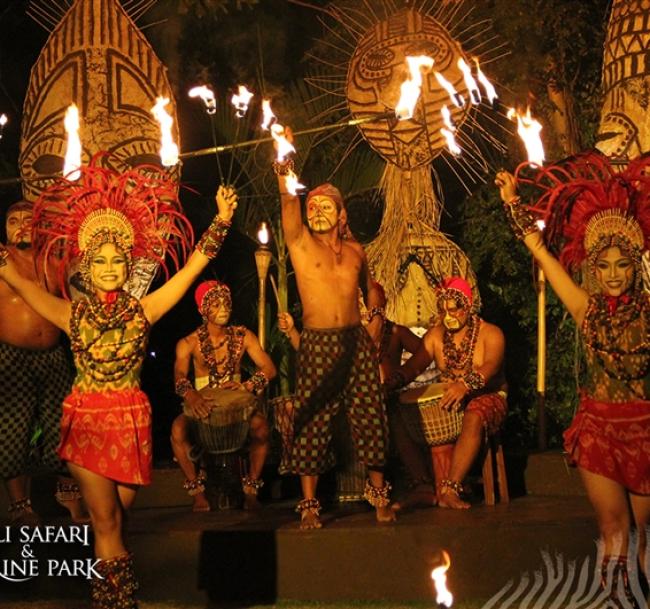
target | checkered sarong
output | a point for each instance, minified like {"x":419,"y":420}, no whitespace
{"x":337,"y":369}
{"x":32,"y":387}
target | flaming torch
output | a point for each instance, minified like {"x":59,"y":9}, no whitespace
{"x":285,"y":147}
{"x":455,"y":97}
{"x":3,"y":122}
{"x":448,"y":131}
{"x":72,"y":161}
{"x":240,"y":101}
{"x":490,"y":91}
{"x":444,"y":597}
{"x":411,"y":87}
{"x":262,"y":262}
{"x":207,"y":96}
{"x":168,"y":149}
{"x":268,"y":116}
{"x":529,"y":131}
{"x":470,"y":82}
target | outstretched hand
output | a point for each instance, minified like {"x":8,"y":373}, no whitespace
{"x":226,"y":202}
{"x":507,"y":184}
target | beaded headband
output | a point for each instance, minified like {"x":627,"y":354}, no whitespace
{"x":105,"y":222}
{"x":613,"y":222}
{"x":458,"y":289}
{"x":209,"y":293}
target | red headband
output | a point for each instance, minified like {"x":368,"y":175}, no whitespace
{"x":208,"y":290}
{"x":327,"y":190}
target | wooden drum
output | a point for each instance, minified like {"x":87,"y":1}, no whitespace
{"x":226,"y":428}
{"x":425,"y":420}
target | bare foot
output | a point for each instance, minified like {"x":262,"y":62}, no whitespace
{"x":453,"y":501}
{"x":310,"y":519}
{"x":251,"y":502}
{"x":385,"y":514}
{"x":421,"y":496}
{"x":201,"y":503}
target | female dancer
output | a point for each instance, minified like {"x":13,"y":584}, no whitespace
{"x":106,"y":221}
{"x":599,"y":221}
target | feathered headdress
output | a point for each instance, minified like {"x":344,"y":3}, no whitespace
{"x":587,"y":206}
{"x":138,"y":210}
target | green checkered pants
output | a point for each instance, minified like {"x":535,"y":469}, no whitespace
{"x":337,"y":369}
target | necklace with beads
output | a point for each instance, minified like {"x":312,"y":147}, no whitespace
{"x":208,"y":350}
{"x":459,"y":357}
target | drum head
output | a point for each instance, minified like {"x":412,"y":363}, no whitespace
{"x":228,"y":405}
{"x":434,"y":391}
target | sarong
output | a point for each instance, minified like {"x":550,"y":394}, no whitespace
{"x":492,"y":408}
{"x":336,"y":369}
{"x":108,"y":433}
{"x":612,"y":440}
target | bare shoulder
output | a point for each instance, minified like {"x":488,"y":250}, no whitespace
{"x":491,"y":332}
{"x":189,"y":342}
{"x":250,"y":338}
{"x":433,"y":335}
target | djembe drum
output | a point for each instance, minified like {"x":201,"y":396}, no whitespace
{"x":226,"y":428}
{"x":425,"y":421}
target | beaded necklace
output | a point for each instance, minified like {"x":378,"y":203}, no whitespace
{"x":107,"y":361}
{"x":233,"y":338}
{"x":608,"y":352}
{"x":459,"y":358}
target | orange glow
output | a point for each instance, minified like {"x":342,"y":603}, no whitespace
{"x":240,"y":100}
{"x":263,"y":234}
{"x":411,"y":87}
{"x":470,"y":82}
{"x":72,"y":160}
{"x":455,"y":97}
{"x":292,"y":183}
{"x":284,"y":145}
{"x":490,"y":91}
{"x":206,"y":94}
{"x":268,"y":116}
{"x":439,"y":577}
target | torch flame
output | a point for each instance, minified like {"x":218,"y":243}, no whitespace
{"x":439,"y":577}
{"x":207,"y":95}
{"x":263,"y":234}
{"x":3,"y":120}
{"x":411,"y":87}
{"x":168,"y":149}
{"x":470,"y":82}
{"x":454,"y":148}
{"x":456,"y":97}
{"x":240,"y":100}
{"x":292,"y":183}
{"x":529,"y":129}
{"x":72,"y":160}
{"x":284,"y":145}
{"x":490,"y":91}
{"x":269,"y":117}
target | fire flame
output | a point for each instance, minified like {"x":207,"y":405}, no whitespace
{"x":490,"y":91}
{"x":411,"y":87}
{"x":72,"y":160}
{"x":439,"y":577}
{"x":529,"y":129}
{"x":168,"y":149}
{"x":3,"y":120}
{"x":263,"y":234}
{"x":240,"y":100}
{"x":292,"y":183}
{"x":269,"y":117}
{"x":206,"y":94}
{"x":470,"y":82}
{"x":456,"y":97}
{"x":448,"y":131}
{"x":284,"y":145}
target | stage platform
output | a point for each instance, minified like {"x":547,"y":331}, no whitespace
{"x":212,"y":559}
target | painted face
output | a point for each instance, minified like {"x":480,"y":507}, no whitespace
{"x":322,"y":214}
{"x":219,"y":313}
{"x":108,"y":268}
{"x":614,"y":271}
{"x":19,"y":228}
{"x":454,"y":315}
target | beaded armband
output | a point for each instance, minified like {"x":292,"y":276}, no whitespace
{"x":374,"y":312}
{"x":258,"y":382}
{"x":377,"y":497}
{"x":521,"y":220}
{"x":283,"y":168}
{"x":182,"y":386}
{"x":210,"y":242}
{"x":473,"y":381}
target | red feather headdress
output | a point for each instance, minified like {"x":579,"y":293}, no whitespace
{"x":137,"y":209}
{"x":587,"y":205}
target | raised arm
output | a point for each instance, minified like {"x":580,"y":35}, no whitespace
{"x":265,"y":367}
{"x":156,"y":304}
{"x":56,"y":310}
{"x":574,"y":298}
{"x":410,"y":342}
{"x":292,"y":224}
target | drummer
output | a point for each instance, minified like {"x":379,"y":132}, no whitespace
{"x":469,"y":353}
{"x":215,"y":350}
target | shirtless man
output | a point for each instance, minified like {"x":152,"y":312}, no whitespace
{"x":34,"y":378}
{"x":336,"y":367}
{"x":215,"y":350}
{"x":469,"y":354}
